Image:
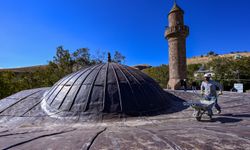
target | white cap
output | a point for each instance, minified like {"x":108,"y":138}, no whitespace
{"x":207,"y":75}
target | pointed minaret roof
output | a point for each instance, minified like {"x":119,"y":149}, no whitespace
{"x":176,"y":8}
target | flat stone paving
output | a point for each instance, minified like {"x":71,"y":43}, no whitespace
{"x":23,"y":125}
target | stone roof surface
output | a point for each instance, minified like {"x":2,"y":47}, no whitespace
{"x":24,"y":126}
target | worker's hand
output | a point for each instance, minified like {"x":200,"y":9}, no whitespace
{"x":220,"y":93}
{"x":202,"y":93}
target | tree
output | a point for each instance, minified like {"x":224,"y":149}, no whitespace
{"x":63,"y":60}
{"x":81,"y":58}
{"x":212,"y":53}
{"x":191,"y":69}
{"x":6,"y":83}
{"x":160,"y":74}
{"x":62,"y":64}
{"x":99,"y":57}
{"x":228,"y":70}
{"x":118,"y":58}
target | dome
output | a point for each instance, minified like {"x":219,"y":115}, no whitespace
{"x":104,"y":89}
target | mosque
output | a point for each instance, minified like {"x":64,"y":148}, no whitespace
{"x":113,"y":106}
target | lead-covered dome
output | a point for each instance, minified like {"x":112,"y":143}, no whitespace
{"x":106,"y":88}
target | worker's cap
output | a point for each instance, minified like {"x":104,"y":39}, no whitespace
{"x":207,"y":75}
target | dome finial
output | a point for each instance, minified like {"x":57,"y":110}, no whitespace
{"x":109,"y":57}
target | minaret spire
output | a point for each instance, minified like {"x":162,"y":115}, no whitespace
{"x":176,"y":7}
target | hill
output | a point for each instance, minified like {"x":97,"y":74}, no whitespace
{"x":206,"y":59}
{"x":193,"y":60}
{"x":24,"y":69}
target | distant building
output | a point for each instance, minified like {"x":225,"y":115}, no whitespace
{"x":237,"y":56}
{"x":202,"y":71}
{"x":142,"y":66}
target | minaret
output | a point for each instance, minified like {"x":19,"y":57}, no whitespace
{"x":176,"y":35}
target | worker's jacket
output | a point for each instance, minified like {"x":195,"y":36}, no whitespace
{"x":209,"y":88}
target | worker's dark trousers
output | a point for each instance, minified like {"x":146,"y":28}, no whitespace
{"x":216,"y":105}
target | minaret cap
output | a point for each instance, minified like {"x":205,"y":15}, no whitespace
{"x":176,"y":8}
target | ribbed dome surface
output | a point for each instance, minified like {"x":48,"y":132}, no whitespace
{"x":106,"y":88}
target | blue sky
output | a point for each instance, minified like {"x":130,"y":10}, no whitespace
{"x":30,"y":30}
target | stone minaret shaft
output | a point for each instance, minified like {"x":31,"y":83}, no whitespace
{"x":176,"y":35}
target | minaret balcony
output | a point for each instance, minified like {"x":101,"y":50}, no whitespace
{"x":177,"y":30}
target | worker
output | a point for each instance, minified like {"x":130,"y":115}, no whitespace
{"x":208,"y":90}
{"x":184,"y":84}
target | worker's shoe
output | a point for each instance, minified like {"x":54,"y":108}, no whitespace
{"x":218,"y":112}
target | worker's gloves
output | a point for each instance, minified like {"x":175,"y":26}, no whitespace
{"x":220,"y":93}
{"x":202,"y":93}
